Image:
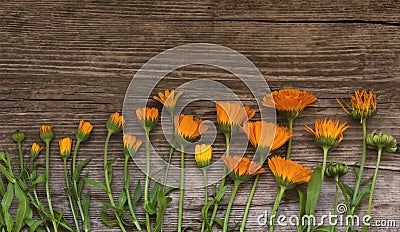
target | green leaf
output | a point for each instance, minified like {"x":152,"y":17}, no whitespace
{"x":79,"y":168}
{"x":96,"y":184}
{"x":81,"y":184}
{"x":313,"y":191}
{"x":35,"y":225}
{"x":23,"y":208}
{"x":363,"y":193}
{"x":108,"y":223}
{"x":204,"y":213}
{"x":137,"y":194}
{"x":163,"y":202}
{"x":191,"y":228}
{"x":8,"y":198}
{"x":220,"y":222}
{"x":122,"y":200}
{"x":349,"y":190}
{"x":345,"y":195}
{"x":86,"y":206}
{"x":303,"y":200}
{"x":39,"y":179}
{"x":221,"y":194}
{"x":356,"y":172}
{"x":7,"y":174}
{"x":9,"y":221}
{"x":109,"y":169}
{"x":2,"y":188}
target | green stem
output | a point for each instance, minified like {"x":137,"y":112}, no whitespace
{"x":371,"y":194}
{"x":108,"y":184}
{"x":249,"y":200}
{"x":359,"y":178}
{"x":326,"y":149}
{"x":214,"y":213}
{"x":74,"y":182}
{"x":146,"y":186}
{"x":71,"y":202}
{"x":336,"y":199}
{"x":289,"y":146}
{"x":205,"y":195}
{"x":48,"y":195}
{"x":276,"y":206}
{"x":228,"y":210}
{"x":128,"y":195}
{"x":171,"y":152}
{"x":182,"y":186}
{"x":21,"y":156}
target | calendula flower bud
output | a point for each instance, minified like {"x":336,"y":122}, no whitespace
{"x":18,"y":136}
{"x":336,"y":170}
{"x":147,"y":117}
{"x":83,"y":132}
{"x":384,"y":141}
{"x":46,"y":133}
{"x":114,"y":123}
{"x":35,"y":150}
{"x":203,"y":155}
{"x":188,"y":129}
{"x":131,"y":144}
{"x":65,"y":147}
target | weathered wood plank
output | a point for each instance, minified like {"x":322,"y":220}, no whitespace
{"x":62,"y":62}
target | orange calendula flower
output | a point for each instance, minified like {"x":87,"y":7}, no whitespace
{"x":266,"y":136}
{"x":114,"y":123}
{"x":131,"y":144}
{"x":362,"y":104}
{"x":168,"y":98}
{"x":328,"y":133}
{"x":288,"y":173}
{"x":35,"y":150}
{"x":230,"y":116}
{"x":188,"y":128}
{"x":147,"y":117}
{"x":46,"y":133}
{"x":242,"y":168}
{"x":289,"y":102}
{"x":65,"y":145}
{"x":83,"y":132}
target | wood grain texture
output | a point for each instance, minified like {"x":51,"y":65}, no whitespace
{"x":65,"y":61}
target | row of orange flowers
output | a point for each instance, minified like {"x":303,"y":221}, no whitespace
{"x":232,"y":118}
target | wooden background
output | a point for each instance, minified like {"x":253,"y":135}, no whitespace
{"x":65,"y":61}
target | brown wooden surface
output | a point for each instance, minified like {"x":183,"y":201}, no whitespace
{"x":62,"y":62}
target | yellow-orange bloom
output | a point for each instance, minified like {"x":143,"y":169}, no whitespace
{"x":115,"y":122}
{"x":131,"y":144}
{"x":230,"y":116}
{"x":147,"y":117}
{"x":242,"y":168}
{"x":168,"y":99}
{"x":328,"y":133}
{"x":266,"y":136}
{"x":362,"y":104}
{"x":288,"y":173}
{"x":35,"y":149}
{"x":84,"y":130}
{"x":203,"y":155}
{"x":189,"y":128}
{"x":289,"y":102}
{"x":65,"y":145}
{"x":46,"y":133}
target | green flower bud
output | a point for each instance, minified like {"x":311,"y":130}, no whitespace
{"x":18,"y":136}
{"x":336,"y":170}
{"x":46,"y":133}
{"x":380,"y":140}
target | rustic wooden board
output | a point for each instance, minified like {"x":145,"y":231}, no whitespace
{"x":62,"y":62}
